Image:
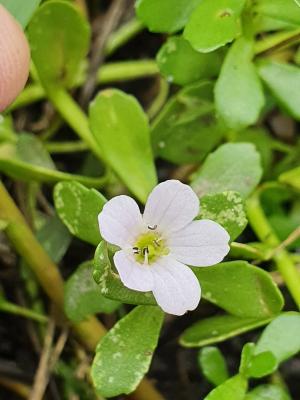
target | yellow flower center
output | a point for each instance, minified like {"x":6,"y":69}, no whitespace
{"x":149,"y":247}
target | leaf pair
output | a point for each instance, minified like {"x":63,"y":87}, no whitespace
{"x":208,"y":25}
{"x":278,"y":342}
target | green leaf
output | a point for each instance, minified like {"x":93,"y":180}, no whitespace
{"x":28,"y":160}
{"x":281,"y":337}
{"x":181,"y":64}
{"x":234,"y":388}
{"x":165,"y":16}
{"x":124,"y":354}
{"x":186,"y":130}
{"x":20,"y":9}
{"x":32,"y":151}
{"x":213,"y":365}
{"x":263,"y":23}
{"x":58,"y":29}
{"x":283,"y":81}
{"x":291,"y":178}
{"x":217,"y":329}
{"x":238,"y":91}
{"x":267,"y":392}
{"x":256,"y":366}
{"x":246,"y":355}
{"x":232,"y":167}
{"x":121,"y":128}
{"x":110,"y":284}
{"x":54,"y":237}
{"x":261,"y":365}
{"x":214,"y":23}
{"x":230,"y":285}
{"x":263,"y":142}
{"x":82,"y":295}
{"x":78,"y":208}
{"x":288,"y":11}
{"x":227,"y":209}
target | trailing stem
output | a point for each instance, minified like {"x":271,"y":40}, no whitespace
{"x":90,"y":330}
{"x":283,"y":260}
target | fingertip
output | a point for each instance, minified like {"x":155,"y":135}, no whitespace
{"x":14,"y":58}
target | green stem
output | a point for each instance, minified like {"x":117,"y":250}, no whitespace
{"x":74,"y":116}
{"x":123,"y":35}
{"x":27,"y":246}
{"x":247,"y":252}
{"x":276,"y":41}
{"x":12,"y":308}
{"x":32,"y":93}
{"x":160,"y":99}
{"x":65,"y":147}
{"x":265,"y":233}
{"x":127,"y":70}
{"x":108,"y":73}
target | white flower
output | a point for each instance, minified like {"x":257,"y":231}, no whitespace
{"x":156,"y":246}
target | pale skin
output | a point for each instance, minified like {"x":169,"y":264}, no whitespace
{"x":14,"y":59}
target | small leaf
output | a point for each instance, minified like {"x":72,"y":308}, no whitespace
{"x":121,"y":128}
{"x":82,"y":295}
{"x":217,"y":329}
{"x":291,"y":178}
{"x":281,"y":337}
{"x":246,"y":355}
{"x":124,"y":354}
{"x":257,"y":366}
{"x":232,"y":167}
{"x":54,"y":237}
{"x":181,"y":64}
{"x":261,"y":365}
{"x":214,"y":23}
{"x":28,"y":160}
{"x":110,"y":284}
{"x":267,"y":392}
{"x":165,"y":16}
{"x":238,"y":91}
{"x":78,"y":208}
{"x":213,"y":365}
{"x":21,"y":10}
{"x":186,"y":129}
{"x":288,"y":11}
{"x":234,"y":388}
{"x":230,"y":285}
{"x":227,"y":209}
{"x":30,"y":150}
{"x":283,"y":81}
{"x":263,"y":142}
{"x":58,"y":29}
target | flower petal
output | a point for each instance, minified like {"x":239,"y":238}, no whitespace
{"x":200,"y":244}
{"x":133,"y":274}
{"x":120,"y":221}
{"x":171,"y":205}
{"x":176,"y":288}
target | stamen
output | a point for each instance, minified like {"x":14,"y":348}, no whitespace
{"x":156,"y":242}
{"x":145,"y":254}
{"x":136,"y":250}
{"x":152,"y":228}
